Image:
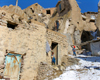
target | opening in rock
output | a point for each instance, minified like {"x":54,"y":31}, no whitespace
{"x":11,"y":25}
{"x":48,"y":11}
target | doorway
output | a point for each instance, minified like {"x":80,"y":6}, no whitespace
{"x":12,"y":66}
{"x":54,"y":48}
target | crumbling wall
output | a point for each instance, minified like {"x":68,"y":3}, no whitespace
{"x":33,"y":9}
{"x":63,"y":7}
{"x":24,"y":39}
{"x":18,"y":11}
{"x":34,"y":12}
{"x":72,"y":23}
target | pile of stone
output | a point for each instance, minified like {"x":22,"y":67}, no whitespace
{"x":47,"y":72}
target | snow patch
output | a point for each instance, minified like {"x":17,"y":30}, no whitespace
{"x":89,"y":69}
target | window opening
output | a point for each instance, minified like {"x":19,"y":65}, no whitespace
{"x":60,"y":7}
{"x":32,"y":10}
{"x":48,"y":11}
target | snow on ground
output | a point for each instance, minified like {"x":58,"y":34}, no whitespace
{"x":88,"y":69}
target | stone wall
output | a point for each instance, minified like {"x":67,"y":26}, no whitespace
{"x":34,"y":11}
{"x":56,"y":37}
{"x":30,"y":40}
{"x":12,"y":9}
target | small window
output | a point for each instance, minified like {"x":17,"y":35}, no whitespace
{"x":60,"y":7}
{"x":48,"y":12}
{"x":32,"y":10}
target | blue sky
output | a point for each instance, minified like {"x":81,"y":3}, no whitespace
{"x":85,"y":5}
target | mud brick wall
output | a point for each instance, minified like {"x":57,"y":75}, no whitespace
{"x":31,"y":40}
{"x":53,"y":36}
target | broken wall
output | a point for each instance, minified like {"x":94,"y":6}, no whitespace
{"x":18,"y":11}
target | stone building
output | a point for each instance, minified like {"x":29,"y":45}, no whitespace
{"x":21,"y":39}
{"x":72,"y":23}
{"x":24,"y":36}
{"x":34,"y":11}
{"x":23,"y":46}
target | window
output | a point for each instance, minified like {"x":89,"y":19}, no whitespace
{"x":32,"y":10}
{"x":48,"y":11}
{"x":60,"y":7}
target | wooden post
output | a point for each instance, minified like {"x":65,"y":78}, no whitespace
{"x":16,"y":5}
